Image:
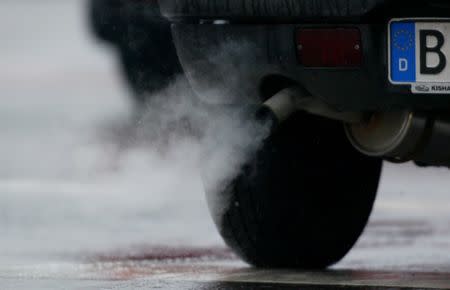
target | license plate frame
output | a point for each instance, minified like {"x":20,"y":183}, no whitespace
{"x":419,"y":54}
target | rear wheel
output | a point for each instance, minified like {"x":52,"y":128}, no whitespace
{"x":302,"y":200}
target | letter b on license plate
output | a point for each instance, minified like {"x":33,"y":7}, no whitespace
{"x":419,"y":54}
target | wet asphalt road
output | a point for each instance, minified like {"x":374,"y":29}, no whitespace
{"x":80,"y":211}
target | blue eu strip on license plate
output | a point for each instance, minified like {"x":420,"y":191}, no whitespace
{"x":419,"y":55}
{"x":403,"y":52}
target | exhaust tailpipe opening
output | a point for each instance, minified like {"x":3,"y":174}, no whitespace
{"x":290,"y":100}
{"x":404,"y":136}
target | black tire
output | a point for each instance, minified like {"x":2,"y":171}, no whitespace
{"x":282,"y":10}
{"x":302,"y":201}
{"x":143,"y":40}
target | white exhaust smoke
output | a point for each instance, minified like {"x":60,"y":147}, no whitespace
{"x":72,"y":186}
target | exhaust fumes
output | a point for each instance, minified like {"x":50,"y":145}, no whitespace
{"x":71,"y":184}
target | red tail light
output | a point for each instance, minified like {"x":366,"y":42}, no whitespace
{"x":339,"y":47}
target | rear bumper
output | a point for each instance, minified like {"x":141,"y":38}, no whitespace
{"x":294,"y":11}
{"x":267,"y":10}
{"x":259,"y":42}
{"x":238,"y":60}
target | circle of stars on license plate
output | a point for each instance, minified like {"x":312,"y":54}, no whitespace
{"x":403,"y":40}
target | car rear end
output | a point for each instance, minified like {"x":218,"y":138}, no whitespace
{"x":346,"y":85}
{"x":339,"y":51}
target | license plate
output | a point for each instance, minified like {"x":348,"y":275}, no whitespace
{"x":419,"y":55}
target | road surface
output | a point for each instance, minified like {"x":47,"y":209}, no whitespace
{"x":84,"y":204}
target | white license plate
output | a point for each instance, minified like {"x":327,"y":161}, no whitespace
{"x":419,"y":55}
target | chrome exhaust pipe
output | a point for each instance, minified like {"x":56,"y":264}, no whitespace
{"x":290,"y":100}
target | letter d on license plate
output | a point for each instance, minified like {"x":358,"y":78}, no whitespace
{"x":419,"y":55}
